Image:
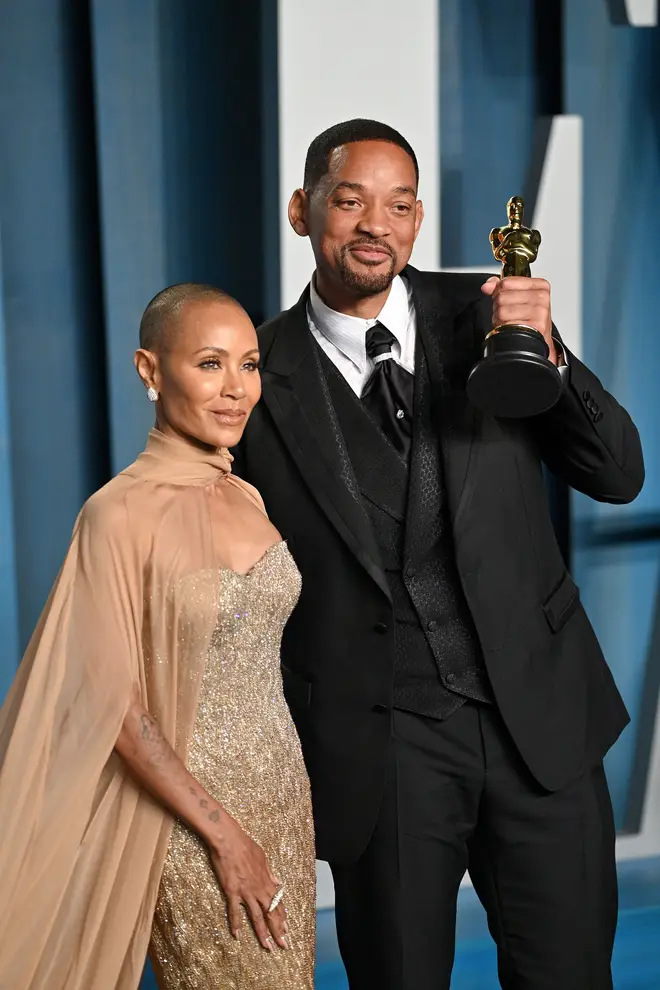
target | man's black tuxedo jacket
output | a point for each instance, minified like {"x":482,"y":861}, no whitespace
{"x":552,"y":685}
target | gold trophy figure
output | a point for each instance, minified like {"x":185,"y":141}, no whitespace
{"x":514,"y":245}
{"x":514,"y":378}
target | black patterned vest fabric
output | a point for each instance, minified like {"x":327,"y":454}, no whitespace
{"x":438,"y":661}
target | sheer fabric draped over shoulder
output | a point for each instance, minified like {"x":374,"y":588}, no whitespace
{"x":83,"y":846}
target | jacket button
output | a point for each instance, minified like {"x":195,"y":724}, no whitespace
{"x":380,"y":627}
{"x":380,"y":708}
{"x":450,"y":678}
{"x":432,"y":626}
{"x":410,"y":572}
{"x":586,"y":395}
{"x":598,"y":417}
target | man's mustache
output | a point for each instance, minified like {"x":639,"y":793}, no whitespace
{"x":371,"y":242}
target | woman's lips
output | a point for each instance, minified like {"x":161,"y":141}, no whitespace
{"x":231,"y":417}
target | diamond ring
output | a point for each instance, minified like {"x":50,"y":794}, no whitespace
{"x":279,"y":894}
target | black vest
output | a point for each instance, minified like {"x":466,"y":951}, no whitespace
{"x":438,"y":661}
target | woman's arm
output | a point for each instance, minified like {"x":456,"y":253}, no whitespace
{"x":239,"y":863}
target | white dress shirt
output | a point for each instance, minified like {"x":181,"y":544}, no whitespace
{"x":343,"y":337}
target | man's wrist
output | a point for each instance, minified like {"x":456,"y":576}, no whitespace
{"x":559,"y":351}
{"x":562,"y":360}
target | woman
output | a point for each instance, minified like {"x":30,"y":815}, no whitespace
{"x":151,"y":779}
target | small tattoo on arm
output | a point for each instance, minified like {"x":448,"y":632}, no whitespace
{"x":204,"y":804}
{"x":162,"y":752}
{"x":214,"y":816}
{"x":147,"y":726}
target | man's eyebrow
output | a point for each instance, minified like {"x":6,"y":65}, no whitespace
{"x":345,"y":184}
{"x":358,"y":187}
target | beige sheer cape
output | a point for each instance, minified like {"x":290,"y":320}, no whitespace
{"x":82,"y":846}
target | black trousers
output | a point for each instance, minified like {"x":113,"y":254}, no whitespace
{"x":458,"y":797}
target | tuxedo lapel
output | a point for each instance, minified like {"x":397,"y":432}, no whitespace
{"x":296,"y":394}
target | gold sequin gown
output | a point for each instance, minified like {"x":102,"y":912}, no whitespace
{"x":246,"y":753}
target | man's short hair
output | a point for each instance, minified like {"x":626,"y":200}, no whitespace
{"x":320,"y":150}
{"x":160,"y":318}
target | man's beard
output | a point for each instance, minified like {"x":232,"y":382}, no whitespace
{"x":365,"y":283}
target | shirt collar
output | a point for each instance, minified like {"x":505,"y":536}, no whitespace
{"x":348,"y":333}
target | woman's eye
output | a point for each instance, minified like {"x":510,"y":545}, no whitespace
{"x":214,"y":364}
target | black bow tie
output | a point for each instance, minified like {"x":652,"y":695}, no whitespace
{"x":388,"y":395}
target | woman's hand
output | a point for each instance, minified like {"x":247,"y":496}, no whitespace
{"x":244,"y":875}
{"x":239,"y":863}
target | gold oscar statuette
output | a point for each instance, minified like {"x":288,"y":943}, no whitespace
{"x":514,"y":378}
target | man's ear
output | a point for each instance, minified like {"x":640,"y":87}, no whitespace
{"x":419,"y":216}
{"x":298,"y":210}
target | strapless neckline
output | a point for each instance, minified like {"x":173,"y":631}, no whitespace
{"x":278,"y":545}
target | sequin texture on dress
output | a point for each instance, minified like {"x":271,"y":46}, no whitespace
{"x":245,"y":751}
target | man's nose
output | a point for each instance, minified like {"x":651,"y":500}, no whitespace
{"x":375,"y":222}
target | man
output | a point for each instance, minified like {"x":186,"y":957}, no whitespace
{"x":453,"y":703}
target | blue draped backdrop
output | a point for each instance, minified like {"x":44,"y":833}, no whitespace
{"x":138,"y":147}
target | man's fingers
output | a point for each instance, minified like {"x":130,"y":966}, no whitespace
{"x":514,"y":284}
{"x":539,"y":296}
{"x":522,"y":301}
{"x":534,"y":315}
{"x":489,"y":287}
{"x":511,"y":282}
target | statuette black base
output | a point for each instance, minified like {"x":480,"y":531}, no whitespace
{"x":515,"y":379}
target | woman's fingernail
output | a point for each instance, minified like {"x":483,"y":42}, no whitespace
{"x":237,"y":934}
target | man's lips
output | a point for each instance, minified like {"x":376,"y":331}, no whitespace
{"x":370,"y":253}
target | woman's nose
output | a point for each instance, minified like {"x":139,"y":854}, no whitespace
{"x":233,"y":386}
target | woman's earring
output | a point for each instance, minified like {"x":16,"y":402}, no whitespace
{"x":152,"y":394}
